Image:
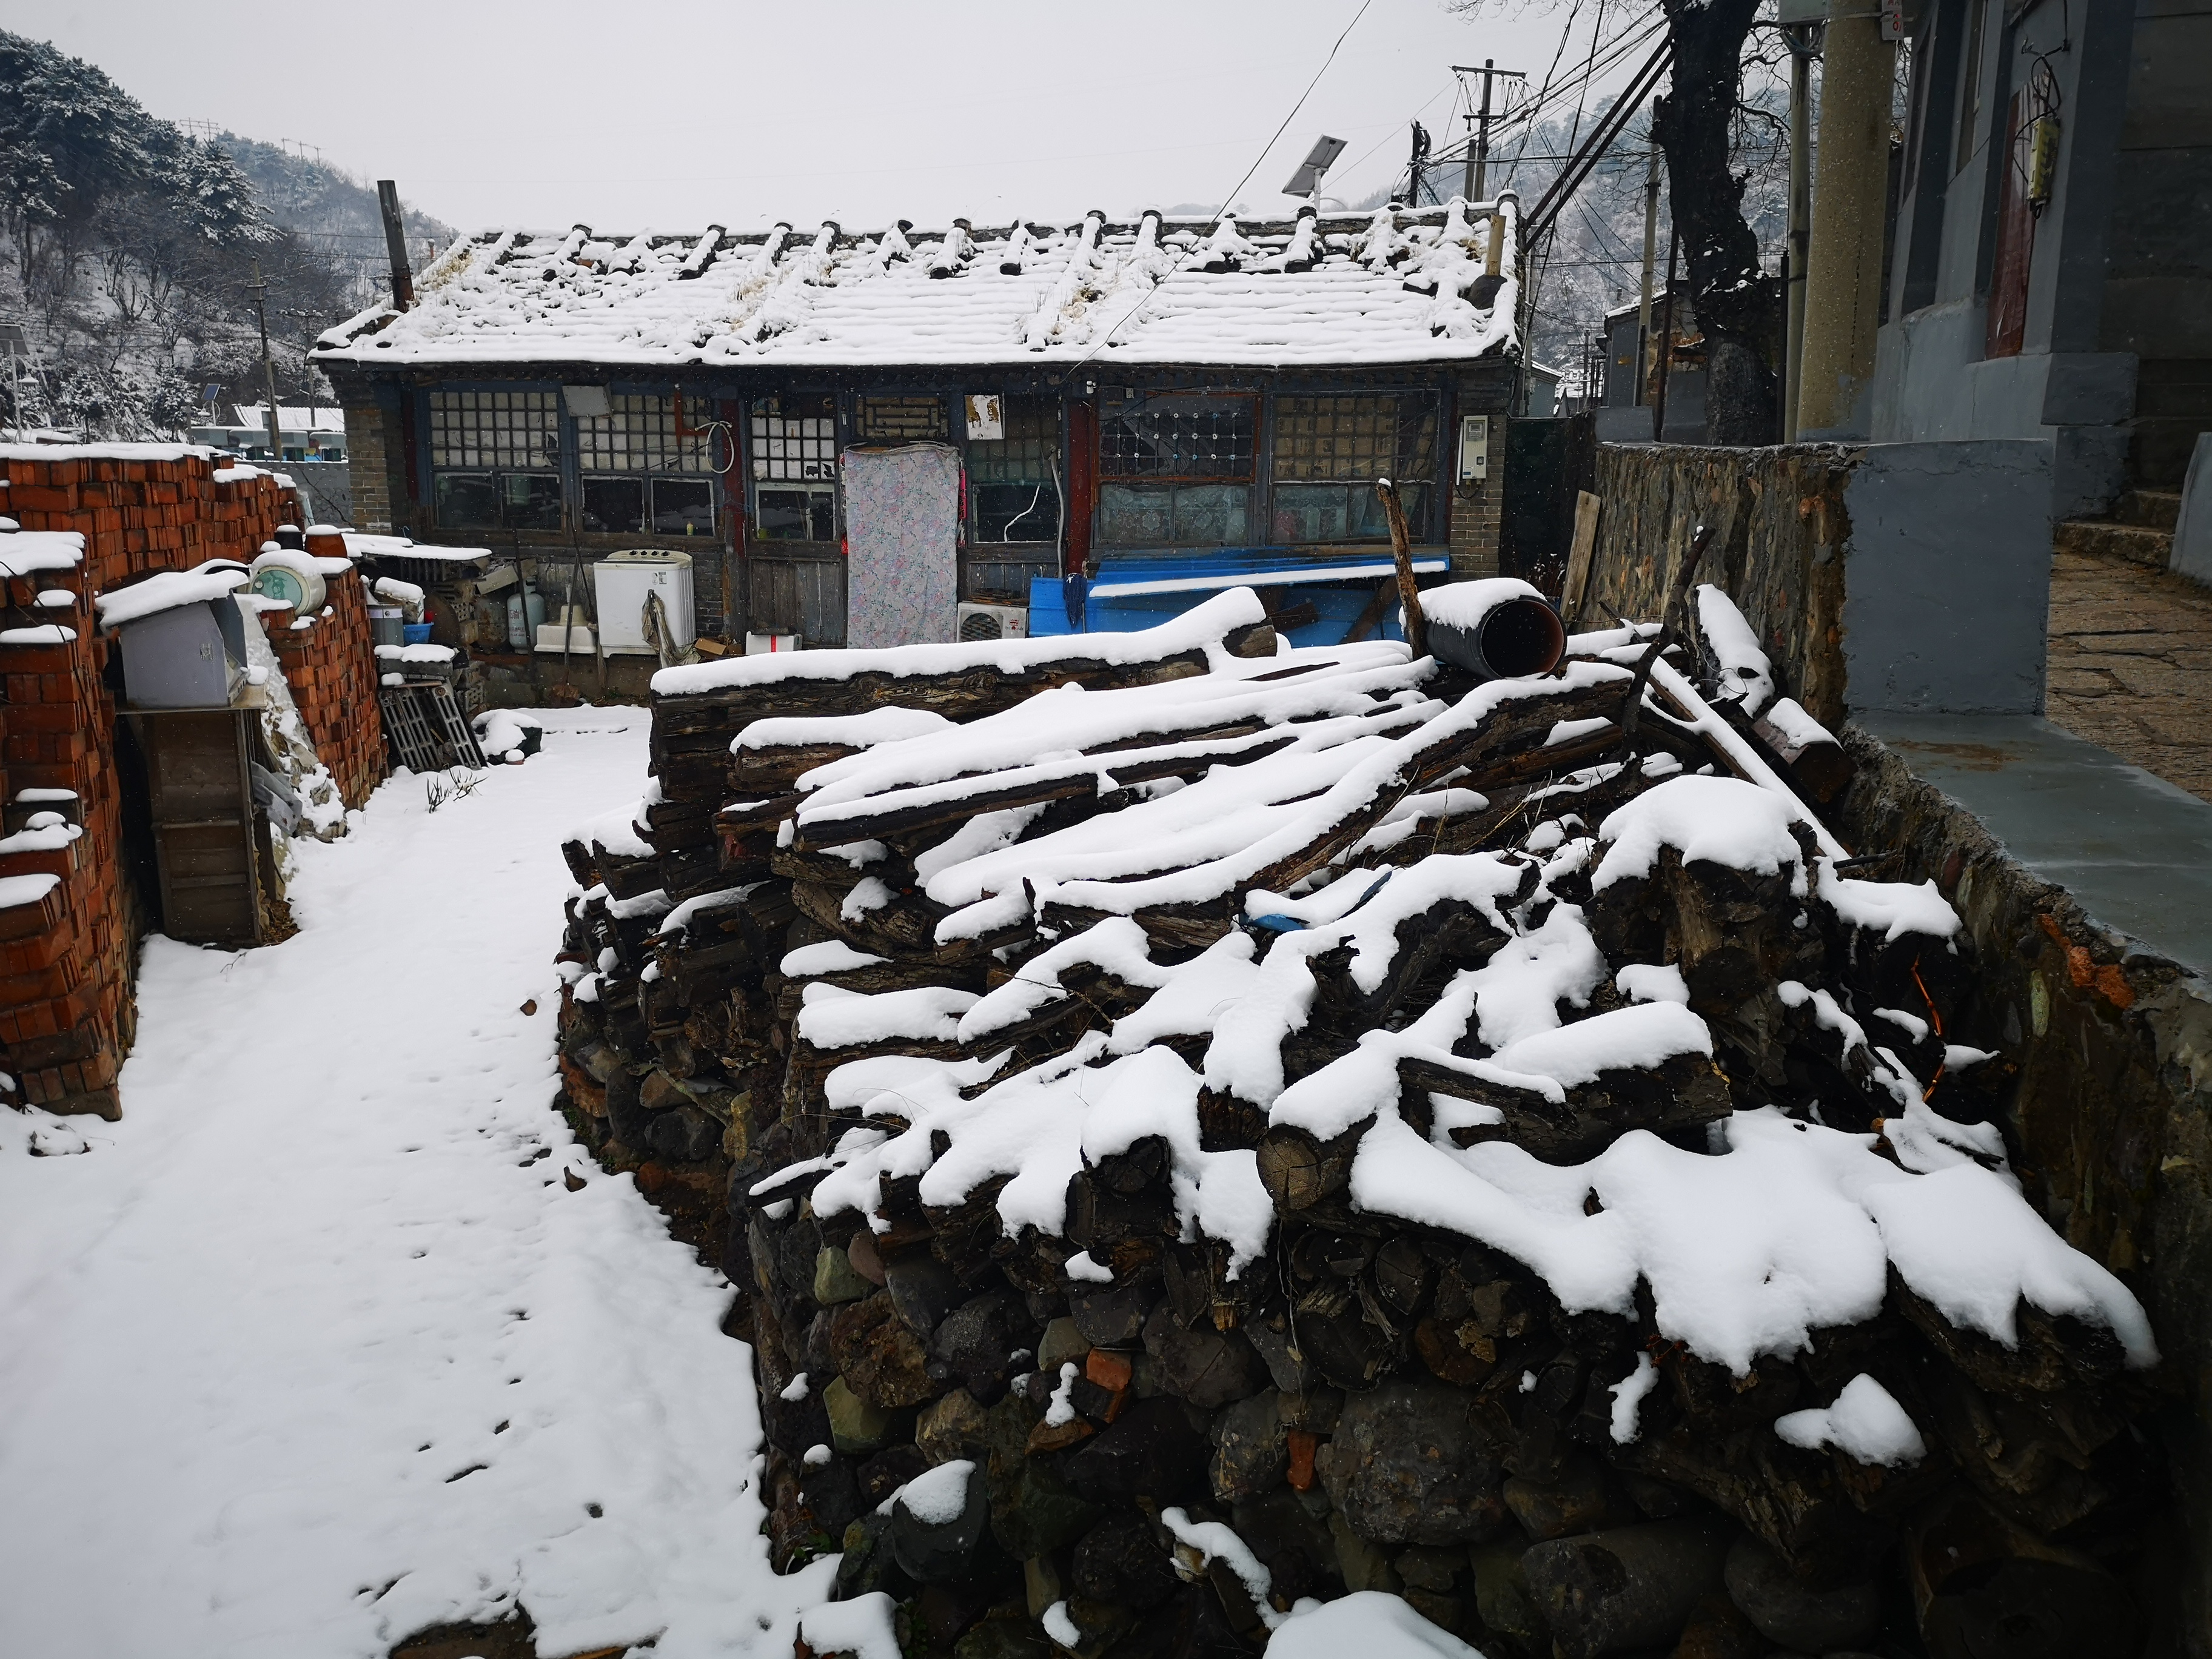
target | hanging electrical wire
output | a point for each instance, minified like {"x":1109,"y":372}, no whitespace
{"x":1180,"y":259}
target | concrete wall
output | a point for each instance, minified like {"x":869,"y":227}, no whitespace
{"x":1947,"y":578}
{"x":1903,"y":577}
{"x":2115,"y":373}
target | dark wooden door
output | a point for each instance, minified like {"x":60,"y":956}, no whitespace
{"x":2008,"y":323}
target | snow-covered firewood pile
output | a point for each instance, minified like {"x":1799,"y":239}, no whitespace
{"x":1212,"y":1127}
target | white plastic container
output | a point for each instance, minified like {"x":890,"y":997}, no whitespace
{"x":758,"y":645}
{"x":622,"y":582}
{"x":580,"y":639}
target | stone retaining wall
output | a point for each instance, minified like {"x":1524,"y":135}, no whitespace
{"x":2109,"y":1120}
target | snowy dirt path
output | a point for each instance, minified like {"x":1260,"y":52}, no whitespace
{"x":316,"y":1347}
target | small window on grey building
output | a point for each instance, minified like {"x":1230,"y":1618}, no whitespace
{"x":797,"y":515}
{"x":530,"y":500}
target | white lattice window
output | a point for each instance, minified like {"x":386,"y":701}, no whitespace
{"x":792,"y":443}
{"x":639,"y":435}
{"x":519,"y":430}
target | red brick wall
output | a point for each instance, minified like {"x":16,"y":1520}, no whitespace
{"x":331,"y":666}
{"x":68,"y":961}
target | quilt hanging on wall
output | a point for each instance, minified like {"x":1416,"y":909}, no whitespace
{"x":901,"y":533}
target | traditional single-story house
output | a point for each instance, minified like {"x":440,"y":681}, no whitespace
{"x":1102,"y":393}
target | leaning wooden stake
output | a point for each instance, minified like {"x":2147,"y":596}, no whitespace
{"x":1417,"y":627}
{"x":1677,"y":595}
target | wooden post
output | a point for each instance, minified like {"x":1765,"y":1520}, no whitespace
{"x":1409,"y":597}
{"x":1579,"y":556}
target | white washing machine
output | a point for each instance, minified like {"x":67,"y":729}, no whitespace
{"x":622,"y":582}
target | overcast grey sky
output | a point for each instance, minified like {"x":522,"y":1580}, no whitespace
{"x":667,"y":113}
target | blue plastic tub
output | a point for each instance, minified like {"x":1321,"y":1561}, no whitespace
{"x":417,"y":633}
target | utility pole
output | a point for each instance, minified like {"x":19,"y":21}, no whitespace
{"x":1666,"y":343}
{"x":1650,"y":258}
{"x":268,"y":364}
{"x":1843,"y":268}
{"x":1799,"y":243}
{"x":1478,"y":154}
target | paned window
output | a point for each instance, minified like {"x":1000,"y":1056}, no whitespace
{"x":638,"y":435}
{"x":1178,"y":473}
{"x":1329,"y":451}
{"x":794,"y":438}
{"x":497,"y":457}
{"x":794,"y":457}
{"x":1012,"y":484}
{"x":640,"y":474}
{"x":901,"y":420}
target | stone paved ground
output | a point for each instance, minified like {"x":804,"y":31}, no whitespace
{"x":2131,"y":665}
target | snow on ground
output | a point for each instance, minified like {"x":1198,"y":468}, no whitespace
{"x":316,"y":1347}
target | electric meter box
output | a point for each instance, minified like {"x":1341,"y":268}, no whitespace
{"x":626,"y":582}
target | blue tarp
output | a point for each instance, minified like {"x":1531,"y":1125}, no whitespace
{"x":1129,"y":594}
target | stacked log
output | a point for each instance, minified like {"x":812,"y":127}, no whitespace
{"x":1222,"y":1128}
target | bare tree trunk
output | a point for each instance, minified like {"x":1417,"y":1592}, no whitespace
{"x":1737,"y":305}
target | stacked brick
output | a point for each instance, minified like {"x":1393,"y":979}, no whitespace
{"x":69,"y":946}
{"x":331,"y":666}
{"x":69,"y":952}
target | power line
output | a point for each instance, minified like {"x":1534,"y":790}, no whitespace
{"x":1136,"y":309}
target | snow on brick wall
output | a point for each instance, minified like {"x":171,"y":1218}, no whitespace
{"x":331,"y":666}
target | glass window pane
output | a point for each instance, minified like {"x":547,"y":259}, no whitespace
{"x":530,"y":500}
{"x":1015,"y":512}
{"x":684,"y":506}
{"x":1136,"y":515}
{"x":1355,"y":437}
{"x":616,"y":504}
{"x":1178,"y":437}
{"x":797,"y":515}
{"x":1211,"y":515}
{"x":1311,"y":513}
{"x":466,"y":499}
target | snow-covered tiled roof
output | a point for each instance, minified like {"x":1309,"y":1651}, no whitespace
{"x":1396,"y":286}
{"x":294,"y":417}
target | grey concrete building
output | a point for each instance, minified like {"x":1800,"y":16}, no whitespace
{"x":2050,"y":271}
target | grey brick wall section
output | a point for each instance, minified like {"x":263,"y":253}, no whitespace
{"x":372,"y":473}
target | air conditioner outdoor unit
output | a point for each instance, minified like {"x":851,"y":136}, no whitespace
{"x":993,"y":621}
